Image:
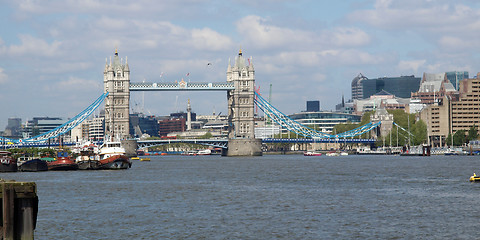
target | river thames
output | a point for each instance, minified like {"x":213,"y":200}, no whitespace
{"x":269,"y":197}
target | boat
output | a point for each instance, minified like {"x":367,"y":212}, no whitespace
{"x":112,"y":156}
{"x":145,"y":159}
{"x":87,"y":160}
{"x":474,"y":178}
{"x":204,"y":152}
{"x":333,"y":154}
{"x":312,"y":154}
{"x":62,"y":163}
{"x":135,"y":158}
{"x":7,"y":162}
{"x":32,"y":165}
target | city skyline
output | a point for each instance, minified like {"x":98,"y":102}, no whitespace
{"x":53,"y":53}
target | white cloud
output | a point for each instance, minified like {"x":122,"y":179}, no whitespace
{"x":3,"y":76}
{"x":344,"y":37}
{"x":413,"y":65}
{"x":207,"y":39}
{"x":30,"y":45}
{"x":258,"y":32}
{"x":79,"y":84}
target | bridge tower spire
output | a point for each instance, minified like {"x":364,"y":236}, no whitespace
{"x":116,"y":81}
{"x":241,"y":123}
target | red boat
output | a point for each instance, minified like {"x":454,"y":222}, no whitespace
{"x":63,"y":162}
{"x":112,"y":156}
{"x":312,"y":154}
{"x":7,"y":162}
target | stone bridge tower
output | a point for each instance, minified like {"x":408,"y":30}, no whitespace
{"x":116,"y":81}
{"x":241,"y":123}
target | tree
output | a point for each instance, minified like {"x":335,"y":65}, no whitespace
{"x":449,"y":139}
{"x":459,"y":138}
{"x":420,"y":132}
{"x":472,"y":133}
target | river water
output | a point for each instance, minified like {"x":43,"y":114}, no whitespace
{"x":269,"y":197}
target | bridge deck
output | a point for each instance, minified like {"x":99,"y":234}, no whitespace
{"x":182,"y":86}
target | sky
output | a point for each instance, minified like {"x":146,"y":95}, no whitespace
{"x":53,"y":52}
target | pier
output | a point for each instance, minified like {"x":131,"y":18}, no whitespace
{"x":19,"y":209}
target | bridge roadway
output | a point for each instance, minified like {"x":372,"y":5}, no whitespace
{"x":182,"y":86}
{"x":221,"y":143}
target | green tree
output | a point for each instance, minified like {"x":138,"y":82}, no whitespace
{"x":420,"y":132}
{"x":472,"y":133}
{"x":207,"y":135}
{"x":459,"y":138}
{"x":449,"y":139}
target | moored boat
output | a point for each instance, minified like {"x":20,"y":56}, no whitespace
{"x":87,"y":160}
{"x":312,"y":154}
{"x":7,"y":162}
{"x":62,"y":163}
{"x":204,"y":152}
{"x":112,"y":156}
{"x":33,"y":165}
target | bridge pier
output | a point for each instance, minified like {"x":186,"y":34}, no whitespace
{"x":244,"y":147}
{"x":130,"y":146}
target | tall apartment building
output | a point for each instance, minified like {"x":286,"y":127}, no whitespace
{"x":453,"y":112}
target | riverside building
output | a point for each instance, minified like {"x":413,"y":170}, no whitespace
{"x":453,"y":112}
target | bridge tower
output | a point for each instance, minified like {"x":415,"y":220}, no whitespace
{"x":241,"y":123}
{"x":116,"y":81}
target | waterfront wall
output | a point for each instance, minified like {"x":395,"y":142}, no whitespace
{"x":244,"y":147}
{"x":130,"y":147}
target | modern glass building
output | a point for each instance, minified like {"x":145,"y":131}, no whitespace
{"x":324,"y":121}
{"x":399,"y":86}
{"x":313,"y":106}
{"x":456,"y":77}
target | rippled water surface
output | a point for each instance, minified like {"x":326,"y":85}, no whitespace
{"x":269,"y":197}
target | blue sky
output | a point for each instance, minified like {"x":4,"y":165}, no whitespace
{"x":52,"y":53}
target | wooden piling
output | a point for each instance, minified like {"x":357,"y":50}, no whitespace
{"x":19,"y":209}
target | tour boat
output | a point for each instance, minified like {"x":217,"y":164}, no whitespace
{"x":112,"y":156}
{"x":63,"y":162}
{"x":312,"y":154}
{"x":7,"y":162}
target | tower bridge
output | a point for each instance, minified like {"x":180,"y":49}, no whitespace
{"x":241,"y":99}
{"x":239,"y":89}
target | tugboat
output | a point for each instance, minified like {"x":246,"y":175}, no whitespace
{"x":87,"y":160}
{"x":112,"y":156}
{"x":63,"y":162}
{"x":7,"y":162}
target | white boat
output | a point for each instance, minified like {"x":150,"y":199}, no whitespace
{"x":113,"y":156}
{"x":204,"y":152}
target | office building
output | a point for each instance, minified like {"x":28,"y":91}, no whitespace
{"x":433,"y":87}
{"x":313,"y":106}
{"x":363,"y":87}
{"x":458,"y":111}
{"x":324,"y":121}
